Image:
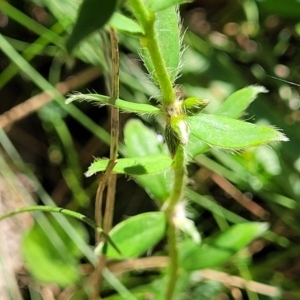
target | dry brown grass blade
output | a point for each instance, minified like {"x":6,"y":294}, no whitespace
{"x":34,"y":103}
{"x":150,"y":263}
{"x":239,"y":197}
{"x":111,"y":178}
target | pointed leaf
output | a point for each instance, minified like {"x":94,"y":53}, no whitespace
{"x":231,"y":134}
{"x":126,"y":25}
{"x":235,"y":105}
{"x":92,"y":16}
{"x":136,"y":235}
{"x":123,"y":105}
{"x":142,"y":141}
{"x":220,"y":249}
{"x":133,"y":166}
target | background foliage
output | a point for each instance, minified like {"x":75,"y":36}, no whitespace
{"x":45,"y":152}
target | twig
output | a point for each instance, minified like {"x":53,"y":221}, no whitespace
{"x":110,"y":200}
{"x":99,"y":198}
{"x":111,"y":178}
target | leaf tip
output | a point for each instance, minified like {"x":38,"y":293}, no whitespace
{"x":73,"y":97}
{"x":259,"y":89}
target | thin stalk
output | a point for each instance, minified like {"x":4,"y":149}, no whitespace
{"x":115,"y":123}
{"x":149,"y":41}
{"x":173,"y":254}
{"x":54,"y":209}
{"x":99,"y":198}
{"x":108,"y":177}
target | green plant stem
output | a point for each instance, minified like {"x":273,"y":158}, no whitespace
{"x":168,"y":94}
{"x":179,"y":164}
{"x":149,"y":41}
{"x":176,"y":195}
{"x":173,"y":254}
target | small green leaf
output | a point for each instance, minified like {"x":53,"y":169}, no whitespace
{"x":220,"y":249}
{"x":126,"y":25}
{"x":136,"y":235}
{"x":232,"y":107}
{"x":192,"y":106}
{"x":133,"y":166}
{"x":168,"y":36}
{"x":142,"y":141}
{"x":237,"y":103}
{"x":125,"y":106}
{"x":231,"y":134}
{"x":92,"y":16}
{"x":158,"y":5}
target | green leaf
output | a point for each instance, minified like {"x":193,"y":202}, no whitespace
{"x":126,"y":25}
{"x":219,"y":249}
{"x":142,"y":141}
{"x":231,"y":134}
{"x":133,"y":166}
{"x":125,"y":106}
{"x":192,"y":105}
{"x":92,"y":16}
{"x":50,"y":261}
{"x":235,"y":105}
{"x":158,"y":5}
{"x":168,"y":36}
{"x":136,"y":235}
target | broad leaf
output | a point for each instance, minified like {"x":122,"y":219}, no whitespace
{"x":136,"y":235}
{"x":126,"y":25}
{"x":231,"y":134}
{"x":133,"y":166}
{"x":219,"y":249}
{"x":142,"y":141}
{"x":93,"y":14}
{"x":123,"y":105}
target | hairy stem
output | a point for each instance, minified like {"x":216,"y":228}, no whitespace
{"x":149,"y":41}
{"x":173,"y":254}
{"x":179,"y":164}
{"x":176,"y":195}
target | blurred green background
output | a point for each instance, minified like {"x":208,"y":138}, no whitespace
{"x":229,"y":44}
